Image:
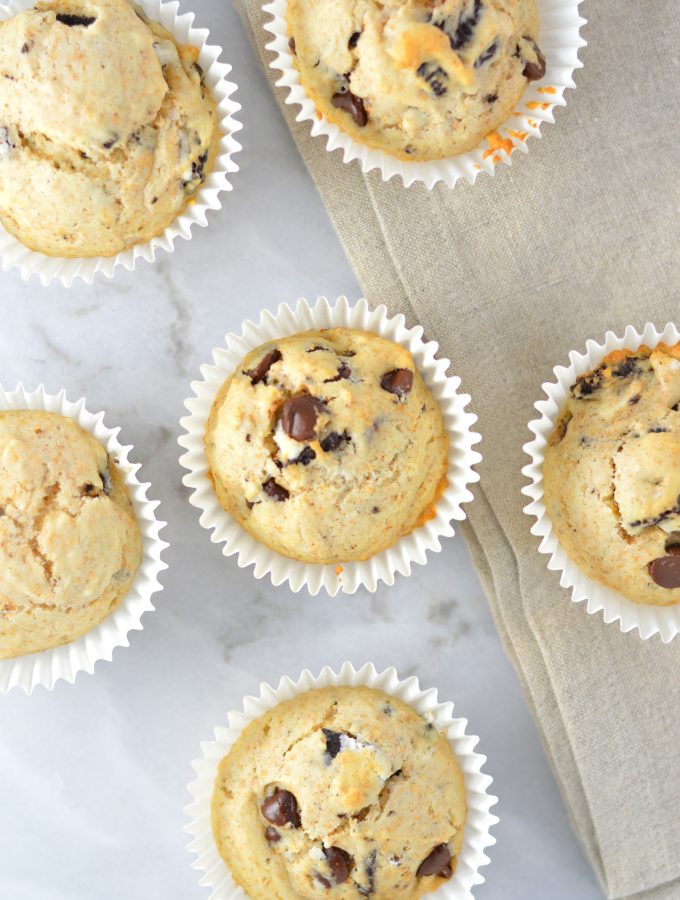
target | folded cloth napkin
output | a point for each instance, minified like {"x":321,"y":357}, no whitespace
{"x":509,"y":275}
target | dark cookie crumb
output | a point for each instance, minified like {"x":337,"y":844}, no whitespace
{"x":76,"y":21}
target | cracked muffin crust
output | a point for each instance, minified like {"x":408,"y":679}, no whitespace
{"x":339,"y":792}
{"x":419,"y":79}
{"x":612,"y":474}
{"x":327,"y":446}
{"x":69,"y":541}
{"x":107,"y":129}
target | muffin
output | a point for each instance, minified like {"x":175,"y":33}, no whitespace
{"x":341,"y":791}
{"x":69,"y":541}
{"x":327,"y":446}
{"x":107,"y":129}
{"x":418,"y":79}
{"x":612,"y":474}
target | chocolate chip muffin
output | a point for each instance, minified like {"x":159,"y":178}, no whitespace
{"x":419,"y":79}
{"x":612,"y":474}
{"x":69,"y":541}
{"x":106,"y":127}
{"x":344,"y":792}
{"x":327,"y":446}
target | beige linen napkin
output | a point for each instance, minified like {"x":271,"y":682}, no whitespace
{"x":509,"y":275}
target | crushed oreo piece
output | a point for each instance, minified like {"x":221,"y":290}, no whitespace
{"x":460,"y":33}
{"x":76,"y":21}
{"x":435,"y":77}
{"x":488,"y":54}
{"x":334,"y":441}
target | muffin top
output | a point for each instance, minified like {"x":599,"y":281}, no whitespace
{"x":69,"y":541}
{"x":418,"y":79}
{"x":339,"y":792}
{"x":327,"y":446}
{"x":106,"y":127}
{"x":612,"y":474}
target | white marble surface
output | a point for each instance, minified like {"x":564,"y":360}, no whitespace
{"x":93,"y":775}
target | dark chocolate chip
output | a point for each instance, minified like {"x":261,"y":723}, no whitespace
{"x":437,"y":863}
{"x":398,"y":381}
{"x":484,"y":57}
{"x":658,"y":429}
{"x":343,"y":372}
{"x":354,"y":40}
{"x":88,"y":489}
{"x":281,"y":809}
{"x":332,"y":743}
{"x":112,"y":141}
{"x":334,"y":441}
{"x":318,"y":347}
{"x":272,"y":835}
{"x":299,"y":416}
{"x":491,"y":98}
{"x":339,"y":862}
{"x":375,"y":509}
{"x":275,"y":491}
{"x":665,"y":571}
{"x":25,"y":48}
{"x":250,"y":503}
{"x":291,"y":44}
{"x":435,"y":77}
{"x":534,"y":71}
{"x":353,"y":105}
{"x":304,"y":458}
{"x":259,"y":373}
{"x":74,"y":21}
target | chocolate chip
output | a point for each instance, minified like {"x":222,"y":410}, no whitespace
{"x":673,"y":543}
{"x":534,"y":71}
{"x":25,"y":48}
{"x":665,"y":571}
{"x":272,"y":835}
{"x":398,"y":381}
{"x":299,"y":416}
{"x":437,"y":863}
{"x":634,"y":399}
{"x":324,"y":881}
{"x":334,"y":441}
{"x":339,"y":862}
{"x":658,"y":429}
{"x":74,"y":21}
{"x":354,"y":40}
{"x":281,"y":809}
{"x":333,"y":746}
{"x":259,"y":373}
{"x":111,"y":142}
{"x":275,"y":491}
{"x":88,"y":489}
{"x":376,"y":509}
{"x":353,"y":105}
{"x":250,"y":503}
{"x":484,"y":57}
{"x":304,"y":458}
{"x":343,"y":372}
{"x":435,"y":77}
{"x":490,"y":98}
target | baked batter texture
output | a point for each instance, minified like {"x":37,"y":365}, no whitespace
{"x":612,"y":474}
{"x":327,"y":446}
{"x":70,"y":544}
{"x":106,"y":127}
{"x":339,"y":792}
{"x":419,"y":79}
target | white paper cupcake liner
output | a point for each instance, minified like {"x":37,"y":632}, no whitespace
{"x":648,"y":620}
{"x":411,"y":548}
{"x":476,"y":836}
{"x":47,"y":667}
{"x":560,"y":41}
{"x":13,"y":254}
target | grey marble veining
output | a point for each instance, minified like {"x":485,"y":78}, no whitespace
{"x":93,"y":775}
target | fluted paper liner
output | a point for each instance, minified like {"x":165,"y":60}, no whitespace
{"x":647,"y":619}
{"x":410,"y":549}
{"x":47,"y":667}
{"x":560,"y":41}
{"x":477,"y":833}
{"x":13,"y":254}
